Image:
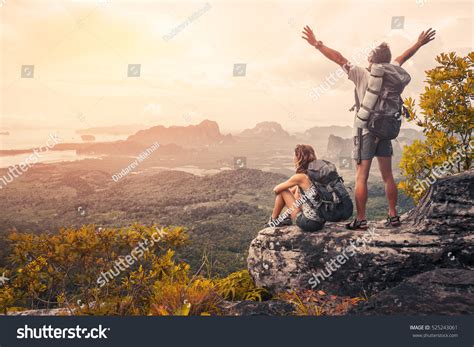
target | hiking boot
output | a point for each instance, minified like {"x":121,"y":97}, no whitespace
{"x":357,"y":224}
{"x":393,"y":221}
{"x":286,"y":221}
{"x":272,"y":223}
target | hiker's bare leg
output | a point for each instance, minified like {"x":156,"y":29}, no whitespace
{"x":278,"y":207}
{"x":280,"y":202}
{"x":289,"y":201}
{"x":385,"y":166}
{"x":361,"y":193}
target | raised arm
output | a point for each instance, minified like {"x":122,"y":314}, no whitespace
{"x":423,"y":39}
{"x":329,"y":53}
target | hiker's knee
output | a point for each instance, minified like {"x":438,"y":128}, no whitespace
{"x":362,"y":177}
{"x":386,"y":173}
{"x":387,"y":177}
{"x":362,"y":170}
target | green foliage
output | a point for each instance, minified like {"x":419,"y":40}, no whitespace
{"x":198,"y":297}
{"x":239,"y":286}
{"x":318,"y":303}
{"x":447,"y":122}
{"x":63,"y":271}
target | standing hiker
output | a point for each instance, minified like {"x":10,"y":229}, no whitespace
{"x":378,"y":118}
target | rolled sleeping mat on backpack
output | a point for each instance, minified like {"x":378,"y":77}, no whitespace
{"x":371,"y":95}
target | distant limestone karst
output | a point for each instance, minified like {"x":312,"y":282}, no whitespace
{"x":266,"y":130}
{"x":88,"y":138}
{"x":339,"y":147}
{"x":206,"y":133}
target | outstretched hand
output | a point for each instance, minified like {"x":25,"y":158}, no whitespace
{"x":426,"y":36}
{"x":308,"y":35}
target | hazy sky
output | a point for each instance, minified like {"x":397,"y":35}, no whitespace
{"x":81,"y":49}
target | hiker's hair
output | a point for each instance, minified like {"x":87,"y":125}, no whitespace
{"x":380,"y":54}
{"x":304,"y":154}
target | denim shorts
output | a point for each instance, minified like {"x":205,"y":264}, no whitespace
{"x":371,"y":147}
{"x":307,"y":224}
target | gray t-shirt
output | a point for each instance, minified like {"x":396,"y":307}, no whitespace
{"x":360,"y":76}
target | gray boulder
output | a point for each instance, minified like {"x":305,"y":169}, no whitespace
{"x":437,"y":292}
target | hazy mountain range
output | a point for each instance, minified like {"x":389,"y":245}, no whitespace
{"x":207,"y":133}
{"x":266,"y":146}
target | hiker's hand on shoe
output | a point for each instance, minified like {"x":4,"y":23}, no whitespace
{"x":426,"y":36}
{"x":308,"y":35}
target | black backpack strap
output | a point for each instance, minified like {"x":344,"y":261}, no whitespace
{"x":404,"y":112}
{"x":356,"y":106}
{"x":359,"y":145}
{"x":373,"y":91}
{"x":359,"y":130}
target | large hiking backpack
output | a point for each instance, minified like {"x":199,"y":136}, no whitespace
{"x":336,"y":204}
{"x":382,"y":108}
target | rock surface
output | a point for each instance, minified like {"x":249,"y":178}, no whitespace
{"x":437,"y":292}
{"x":436,"y":234}
{"x":255,"y":308}
{"x":43,"y":312}
{"x":229,"y":308}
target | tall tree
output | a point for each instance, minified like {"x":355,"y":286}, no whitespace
{"x":447,"y":119}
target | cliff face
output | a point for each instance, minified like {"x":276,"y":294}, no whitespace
{"x":339,"y":147}
{"x":435,"y":235}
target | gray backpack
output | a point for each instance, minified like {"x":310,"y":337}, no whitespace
{"x":385,"y":117}
{"x":336,"y":204}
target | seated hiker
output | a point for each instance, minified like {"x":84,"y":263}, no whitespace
{"x":378,"y":118}
{"x":299,"y":195}
{"x":314,"y":195}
